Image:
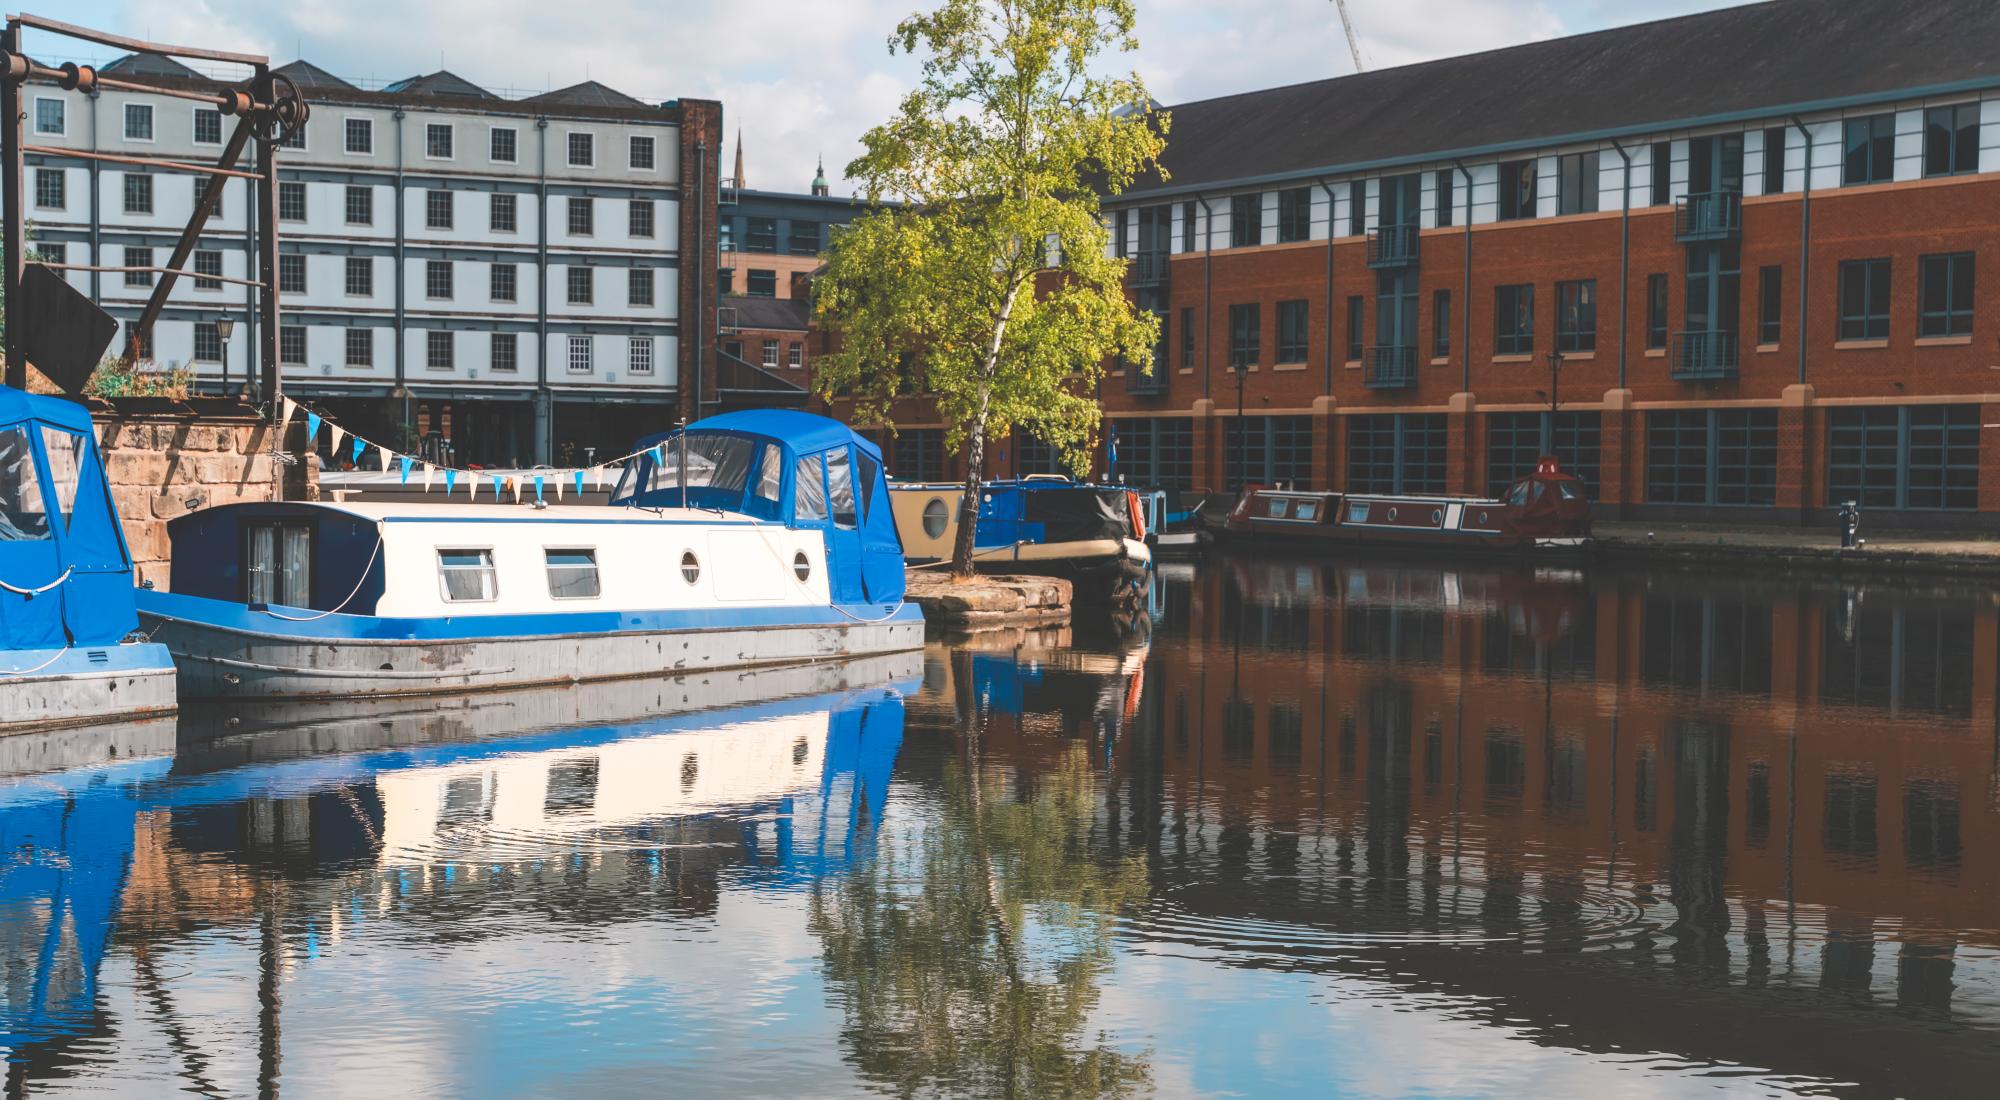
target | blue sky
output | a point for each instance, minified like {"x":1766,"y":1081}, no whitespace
{"x":803,"y":78}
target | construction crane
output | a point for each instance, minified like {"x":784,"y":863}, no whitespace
{"x":1353,"y":40}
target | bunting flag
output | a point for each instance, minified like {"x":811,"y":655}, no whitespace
{"x":286,"y":406}
{"x":428,"y":471}
{"x":450,"y":479}
{"x":472,"y":485}
{"x":360,"y":445}
{"x":579,"y":486}
{"x":538,"y":489}
{"x":496,"y":489}
{"x":336,"y":432}
{"x":513,"y":486}
{"x":406,"y":463}
{"x":312,"y":427}
{"x":598,"y":473}
{"x":383,"y":454}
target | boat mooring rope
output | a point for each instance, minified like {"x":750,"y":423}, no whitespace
{"x":37,"y":668}
{"x":785,"y":567}
{"x":372,"y":555}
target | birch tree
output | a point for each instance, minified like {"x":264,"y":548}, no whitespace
{"x":984,"y":283}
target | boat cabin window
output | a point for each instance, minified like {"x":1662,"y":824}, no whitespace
{"x":1570,"y":490}
{"x":1307,"y":509}
{"x":772,"y":471}
{"x":1276,"y":508}
{"x":64,"y":451}
{"x":810,"y":489}
{"x":466,"y":576}
{"x":840,"y":487}
{"x":715,"y":462}
{"x":573,"y":573}
{"x":936,"y":516}
{"x":866,"y":468}
{"x":1520,"y":493}
{"x":23,"y":514}
{"x":277,"y":564}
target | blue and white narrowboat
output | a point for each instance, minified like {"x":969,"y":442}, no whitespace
{"x":748,"y":539}
{"x":1043,"y":525}
{"x":68,"y":652}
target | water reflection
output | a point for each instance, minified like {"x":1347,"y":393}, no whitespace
{"x":1308,"y":827}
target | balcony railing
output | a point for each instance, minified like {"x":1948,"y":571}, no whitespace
{"x":1393,"y":246}
{"x":1709,"y":216}
{"x":1391,"y":367}
{"x":1704,"y":356}
{"x":1149,"y":268}
{"x":1142,"y":384}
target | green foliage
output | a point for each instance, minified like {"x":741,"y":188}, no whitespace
{"x":997,"y":155}
{"x":113,"y":378}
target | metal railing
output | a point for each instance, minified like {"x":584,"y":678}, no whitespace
{"x":1393,"y":246}
{"x":1709,"y":216}
{"x":1149,"y":268}
{"x":1391,"y":367}
{"x":1704,"y":356}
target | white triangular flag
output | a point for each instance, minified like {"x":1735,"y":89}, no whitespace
{"x":384,"y":452}
{"x":335,"y":445}
{"x":428,"y":471}
{"x":597,"y":473}
{"x":514,"y":483}
{"x":559,"y":481}
{"x":472,"y":485}
{"x":285,"y":407}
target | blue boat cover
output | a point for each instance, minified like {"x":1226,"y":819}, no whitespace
{"x":65,"y":575}
{"x":805,"y":471}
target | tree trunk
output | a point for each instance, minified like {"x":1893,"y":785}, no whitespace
{"x":975,"y":458}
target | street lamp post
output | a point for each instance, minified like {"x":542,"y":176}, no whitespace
{"x":1242,"y":430}
{"x":1555,"y":395}
{"x":224,"y":326}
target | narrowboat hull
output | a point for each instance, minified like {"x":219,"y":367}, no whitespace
{"x":1547,"y":508}
{"x":84,"y":685}
{"x":1099,"y":570}
{"x":223,"y":651}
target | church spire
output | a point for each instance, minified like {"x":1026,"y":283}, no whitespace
{"x":819,"y":178}
{"x":739,"y":158}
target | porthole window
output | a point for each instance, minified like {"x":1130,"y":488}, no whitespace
{"x":1482,"y":519}
{"x":936,"y":516}
{"x":1437,"y":515}
{"x":1392,"y":515}
{"x":690,"y":567}
{"x":802,"y":565}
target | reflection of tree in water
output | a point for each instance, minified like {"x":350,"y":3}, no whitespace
{"x":967,"y":954}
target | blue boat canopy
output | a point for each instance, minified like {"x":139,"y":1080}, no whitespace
{"x":784,"y":466}
{"x":65,"y":574}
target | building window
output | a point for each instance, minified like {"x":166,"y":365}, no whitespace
{"x":207,"y":126}
{"x":582,"y":216}
{"x":359,"y":136}
{"x":360,"y":277}
{"x":1121,"y":223}
{"x":501,"y":145}
{"x":1944,"y":295}
{"x":360,"y":205}
{"x":138,"y":122}
{"x":1446,"y":206}
{"x":805,"y":237}
{"x":202,"y":184}
{"x":1576,"y":183}
{"x":1292,"y":332}
{"x":1951,"y":140}
{"x":1712,"y":456}
{"x":437,"y":141}
{"x":292,"y":345}
{"x":582,"y":284}
{"x":207,"y":266}
{"x":53,"y":253}
{"x":1514,"y":319}
{"x":439,"y":351}
{"x":437,"y":210}
{"x":1354,"y":333}
{"x":1246,"y":220}
{"x":1663,"y":172}
{"x":639,"y":355}
{"x":1295,"y":214}
{"x":1187,"y":337}
{"x":1656,"y":311}
{"x":207,"y":342}
{"x":1774,"y":160}
{"x":579,"y":355}
{"x":296,"y":139}
{"x":639,"y":153}
{"x":291,"y":273}
{"x":51,"y":116}
{"x":761,"y":284}
{"x":1244,"y":326}
{"x":1916,"y":457}
{"x":770,"y":355}
{"x":795,"y":355}
{"x":138,"y":258}
{"x":291,"y":201}
{"x":138,"y":193}
{"x":760,"y":234}
{"x":639,"y":218}
{"x":1517,"y":190}
{"x":1514,"y":441}
{"x":1576,"y":316}
{"x":502,"y":213}
{"x":639,"y":287}
{"x":51,"y":188}
{"x":503,"y":353}
{"x":1396,"y":453}
{"x":1188,"y":233}
{"x":1770,"y":304}
{"x":1357,"y":207}
{"x":1440,"y":324}
{"x":582,"y":150}
{"x":1871,"y":150}
{"x":438,"y":280}
{"x":501,"y":283}
{"x":1278,"y":450}
{"x":360,"y":351}
{"x":1864,"y":300}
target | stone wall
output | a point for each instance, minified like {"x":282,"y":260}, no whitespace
{"x":165,"y":459}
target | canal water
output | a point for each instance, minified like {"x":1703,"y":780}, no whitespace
{"x":1368,"y":829}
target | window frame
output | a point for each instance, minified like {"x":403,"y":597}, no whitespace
{"x":435,"y":339}
{"x":1770,"y":305}
{"x":1294,"y":215}
{"x":206,"y":332}
{"x":440,"y":274}
{"x":145,"y":189}
{"x":494,"y":205}
{"x":639,"y":358}
{"x":584,"y":363}
{"x":291,"y":273}
{"x":488,"y":566}
{"x":1294,"y":331}
{"x":596,"y":575}
{"x":1578,"y":195}
{"x":347,"y":132}
{"x":431,"y":132}
{"x":652,"y":145}
{"x":61,"y":189}
{"x":513,"y":280}
{"x":1870,"y":324}
{"x":636,"y":277}
{"x":1246,"y":212}
{"x":1961,"y":157}
{"x":205,"y":264}
{"x":195,"y":120}
{"x":143,"y":254}
{"x":513,"y":144}
{"x":349,"y":344}
{"x":580,"y":215}
{"x":510,"y":341}
{"x":440,"y":199}
{"x":62,"y":113}
{"x":638,"y":211}
{"x":1521,"y":339}
{"x":1879,"y":145}
{"x":1951,"y":321}
{"x":1441,"y":323}
{"x":301,"y":210}
{"x":1246,"y":323}
{"x":1520,"y":200}
{"x":152,"y":127}
{"x":1573,"y":337}
{"x":1774,"y":158}
{"x":580,"y":276}
{"x":589,"y":148}
{"x":289,"y":335}
{"x":366,"y":192}
{"x":366,"y":266}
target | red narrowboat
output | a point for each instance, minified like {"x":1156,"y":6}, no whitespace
{"x":1545,"y":508}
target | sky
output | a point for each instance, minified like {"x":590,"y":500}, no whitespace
{"x":804,"y":79}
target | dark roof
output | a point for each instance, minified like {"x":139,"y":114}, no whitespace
{"x":148,"y":64}
{"x":440,"y":83}
{"x":310,"y":76}
{"x":1738,"y":62}
{"x":770,"y":313}
{"x":587,"y":94}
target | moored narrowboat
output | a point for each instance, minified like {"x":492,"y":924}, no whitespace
{"x":69,"y":654}
{"x":1091,"y":535}
{"x":1545,"y":508}
{"x":747,"y":539}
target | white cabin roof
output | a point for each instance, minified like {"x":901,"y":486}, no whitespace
{"x":379,"y":511}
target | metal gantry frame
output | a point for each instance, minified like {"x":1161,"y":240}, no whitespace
{"x":268,"y":109}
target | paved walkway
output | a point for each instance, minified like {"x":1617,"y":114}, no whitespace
{"x":1951,"y":550}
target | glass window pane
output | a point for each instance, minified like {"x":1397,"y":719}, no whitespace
{"x":840,"y":487}
{"x":64,"y":451}
{"x":572,"y":574}
{"x":809,"y":488}
{"x":770,"y":472}
{"x":23,"y":513}
{"x":468,"y":575}
{"x":261,"y":571}
{"x":295,"y":574}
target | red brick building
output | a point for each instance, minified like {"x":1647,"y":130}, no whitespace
{"x":1752,"y":237}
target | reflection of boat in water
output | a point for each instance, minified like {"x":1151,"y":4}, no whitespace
{"x":1090,"y":535}
{"x":748,"y":539}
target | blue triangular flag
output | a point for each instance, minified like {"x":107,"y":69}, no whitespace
{"x":538,"y":488}
{"x":312,"y":427}
{"x":405,"y":460}
{"x":496,"y":489}
{"x":450,"y":479}
{"x":359,"y":446}
{"x":579,"y":483}
{"x":659,"y":459}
